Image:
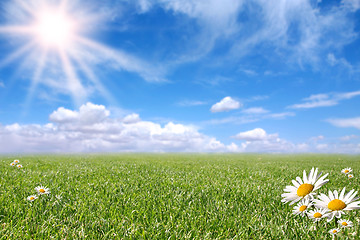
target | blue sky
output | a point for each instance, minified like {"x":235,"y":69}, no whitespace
{"x":180,"y":75}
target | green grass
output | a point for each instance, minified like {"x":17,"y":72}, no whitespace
{"x":164,"y":196}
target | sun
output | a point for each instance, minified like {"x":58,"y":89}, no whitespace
{"x":53,"y":47}
{"x":54,"y":29}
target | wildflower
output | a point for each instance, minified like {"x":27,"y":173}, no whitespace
{"x":32,"y":198}
{"x":19,"y":166}
{"x":334,"y":231}
{"x":337,"y":204}
{"x":302,"y":207}
{"x":12,"y":164}
{"x":350,"y":176}
{"x":346,"y":170}
{"x":317,"y":214}
{"x":304,"y":188}
{"x":16,"y":161}
{"x":42,"y":190}
{"x":345,"y":223}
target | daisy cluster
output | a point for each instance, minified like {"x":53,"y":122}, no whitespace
{"x":320,"y":206}
{"x":40,"y":191}
{"x":16,"y":163}
{"x":347,"y":172}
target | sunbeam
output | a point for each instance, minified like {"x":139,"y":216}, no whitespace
{"x":36,"y":77}
{"x":17,"y":54}
{"x":75,"y":87}
{"x":92,"y":77}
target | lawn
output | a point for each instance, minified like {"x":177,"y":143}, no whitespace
{"x":165,"y":196}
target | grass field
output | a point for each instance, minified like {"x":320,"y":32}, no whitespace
{"x":165,"y":196}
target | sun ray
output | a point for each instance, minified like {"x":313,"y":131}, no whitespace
{"x":77,"y":90}
{"x":36,"y":77}
{"x":18,"y":53}
{"x":25,"y":6}
{"x":92,"y":77}
{"x":16,"y":29}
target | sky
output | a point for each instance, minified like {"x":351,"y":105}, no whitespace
{"x":275,"y":76}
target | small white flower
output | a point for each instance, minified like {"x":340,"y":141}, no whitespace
{"x":350,"y":176}
{"x":302,"y":207}
{"x":334,"y":231}
{"x":346,"y":170}
{"x":12,"y":164}
{"x":337,"y":203}
{"x":19,"y":166}
{"x":42,"y":190}
{"x":317,"y":214}
{"x":32,"y":198}
{"x":16,"y":161}
{"x":345,"y":223}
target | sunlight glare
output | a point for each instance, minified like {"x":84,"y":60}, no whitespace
{"x":54,"y":29}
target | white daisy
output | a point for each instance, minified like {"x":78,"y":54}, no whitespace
{"x":317,"y":214}
{"x":19,"y":166}
{"x":346,"y":170}
{"x":31,"y":198}
{"x":42,"y":190}
{"x":16,"y":161}
{"x":12,"y":164}
{"x":304,"y":188}
{"x":334,"y":231}
{"x":350,"y":176}
{"x":345,"y":223}
{"x":302,"y":207}
{"x":337,"y":204}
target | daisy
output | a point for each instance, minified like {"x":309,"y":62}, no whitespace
{"x":334,"y":231}
{"x":345,"y":223}
{"x":19,"y":166}
{"x":42,"y":190}
{"x":350,"y":175}
{"x":346,"y":170}
{"x":32,"y":198}
{"x":12,"y":164}
{"x":16,"y":161}
{"x":302,"y":207}
{"x":304,"y":188}
{"x":336,"y":204}
{"x":317,"y":214}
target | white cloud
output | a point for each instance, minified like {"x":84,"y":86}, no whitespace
{"x":91,"y":129}
{"x":257,"y":140}
{"x":226,"y":104}
{"x":2,"y":85}
{"x":88,"y":114}
{"x":324,"y":100}
{"x":257,"y":134}
{"x":255,"y":110}
{"x":317,"y":138}
{"x":131,"y":118}
{"x":348,"y":137}
{"x":189,"y":103}
{"x":345,"y":122}
{"x":352,"y":5}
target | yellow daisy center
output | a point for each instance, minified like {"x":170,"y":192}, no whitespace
{"x":317,"y":215}
{"x":344,"y":223}
{"x":41,"y":190}
{"x":303,"y":208}
{"x":334,"y":231}
{"x":32,"y":198}
{"x":304,"y":189}
{"x":346,"y":171}
{"x":336,"y":205}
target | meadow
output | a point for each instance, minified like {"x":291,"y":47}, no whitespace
{"x":165,"y":196}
